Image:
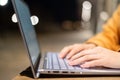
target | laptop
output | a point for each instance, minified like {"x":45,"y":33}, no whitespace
{"x":47,"y":63}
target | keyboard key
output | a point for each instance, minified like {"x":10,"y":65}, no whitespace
{"x":49,"y":61}
{"x":68,"y":66}
{"x":46,"y":63}
{"x":77,"y":67}
{"x":61,"y":62}
{"x":55,"y":62}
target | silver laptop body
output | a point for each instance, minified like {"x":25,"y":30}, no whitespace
{"x":48,"y":63}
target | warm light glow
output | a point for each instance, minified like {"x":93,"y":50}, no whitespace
{"x":14,"y":18}
{"x":34,"y":20}
{"x":86,"y":11}
{"x":104,"y":15}
{"x":3,"y":2}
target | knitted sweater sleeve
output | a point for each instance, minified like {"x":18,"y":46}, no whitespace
{"x":110,"y":36}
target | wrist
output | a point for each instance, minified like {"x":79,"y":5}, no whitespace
{"x":91,"y":45}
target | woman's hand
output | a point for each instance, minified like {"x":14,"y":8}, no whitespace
{"x":97,"y":56}
{"x":71,"y":50}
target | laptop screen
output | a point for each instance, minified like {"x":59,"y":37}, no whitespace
{"x":27,"y":31}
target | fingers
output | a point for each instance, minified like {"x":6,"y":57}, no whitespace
{"x":84,"y":59}
{"x":65,"y":51}
{"x":83,"y":53}
{"x":92,"y":63}
{"x":69,"y":51}
{"x":73,"y":52}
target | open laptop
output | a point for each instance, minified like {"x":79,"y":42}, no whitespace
{"x":48,"y":63}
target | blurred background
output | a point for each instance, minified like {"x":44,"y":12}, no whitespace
{"x":58,"y":23}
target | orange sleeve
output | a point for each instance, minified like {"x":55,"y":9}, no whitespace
{"x":110,"y":36}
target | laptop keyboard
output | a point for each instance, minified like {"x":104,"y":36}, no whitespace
{"x":54,"y":62}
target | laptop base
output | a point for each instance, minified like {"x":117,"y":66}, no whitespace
{"x":28,"y":73}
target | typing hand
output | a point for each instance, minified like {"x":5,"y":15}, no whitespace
{"x":97,"y":56}
{"x":69,"y":51}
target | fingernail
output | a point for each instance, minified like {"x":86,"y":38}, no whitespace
{"x":69,"y":63}
{"x":84,"y":66}
{"x":59,"y":55}
{"x":67,"y":57}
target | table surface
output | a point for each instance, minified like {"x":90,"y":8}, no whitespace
{"x":27,"y":75}
{"x":19,"y":77}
